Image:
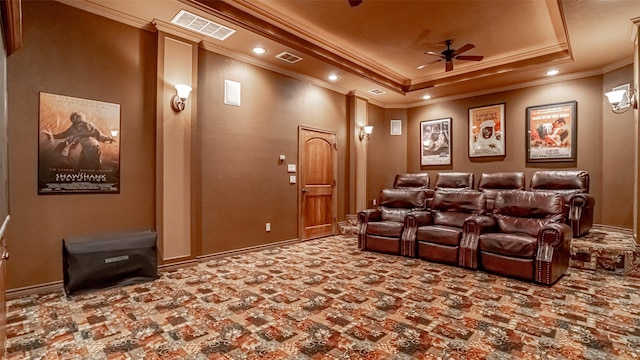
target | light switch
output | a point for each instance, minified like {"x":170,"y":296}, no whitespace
{"x":282,"y":157}
{"x":292,"y":179}
{"x":291,"y":168}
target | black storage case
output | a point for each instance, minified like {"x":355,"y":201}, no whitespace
{"x":109,"y":260}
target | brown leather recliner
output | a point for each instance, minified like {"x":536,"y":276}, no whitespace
{"x":574,"y":188}
{"x":381,"y":229}
{"x":439,"y":233}
{"x":530,"y":241}
{"x":417,"y":180}
{"x":493,"y":183}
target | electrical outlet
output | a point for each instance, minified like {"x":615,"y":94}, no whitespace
{"x":267,"y":227}
{"x":375,"y":202}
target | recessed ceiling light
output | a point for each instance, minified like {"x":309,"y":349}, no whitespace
{"x":259,"y":50}
{"x":426,"y":97}
{"x":333,"y":77}
{"x":553,"y":72}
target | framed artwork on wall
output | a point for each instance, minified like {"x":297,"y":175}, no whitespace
{"x":435,"y":142}
{"x":486,"y":131}
{"x":78,"y":147}
{"x":552,"y":132}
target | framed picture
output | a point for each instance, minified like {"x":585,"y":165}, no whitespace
{"x":486,"y":131}
{"x":78,"y":145}
{"x":435,"y":142}
{"x":552,"y":132}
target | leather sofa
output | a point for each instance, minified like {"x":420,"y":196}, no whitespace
{"x":573,"y":186}
{"x":382,"y":229}
{"x":493,"y":183}
{"x":439,"y":233}
{"x":529,"y":241}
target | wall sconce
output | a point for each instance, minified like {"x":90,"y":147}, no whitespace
{"x":365,"y":132}
{"x":178,"y":101}
{"x":622,"y":99}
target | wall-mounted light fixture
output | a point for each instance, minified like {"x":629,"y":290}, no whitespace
{"x":622,"y":98}
{"x":365,"y":132}
{"x":178,"y":101}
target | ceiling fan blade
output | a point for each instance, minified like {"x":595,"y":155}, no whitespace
{"x":434,"y":53}
{"x":353,"y":3}
{"x":449,"y":66}
{"x":470,"y":57}
{"x":466,"y":47}
{"x":430,"y":62}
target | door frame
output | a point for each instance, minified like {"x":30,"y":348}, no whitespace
{"x":334,"y":197}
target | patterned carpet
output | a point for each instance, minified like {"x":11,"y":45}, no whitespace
{"x":324,"y":299}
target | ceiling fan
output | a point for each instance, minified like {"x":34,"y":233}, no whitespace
{"x":449,"y":54}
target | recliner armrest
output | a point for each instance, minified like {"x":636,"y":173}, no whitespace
{"x":421,"y":218}
{"x":552,"y":258}
{"x":364,"y":217}
{"x":583,"y":200}
{"x":367,"y":215}
{"x":474,"y":225}
{"x":481,"y":223}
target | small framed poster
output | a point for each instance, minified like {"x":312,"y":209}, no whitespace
{"x":486,"y":131}
{"x":435,"y":142}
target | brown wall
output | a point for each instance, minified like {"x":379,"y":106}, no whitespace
{"x":70,"y":52}
{"x":386,"y":154}
{"x":244,"y":185}
{"x":618,"y":144}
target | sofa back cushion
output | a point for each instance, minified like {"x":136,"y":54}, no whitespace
{"x":451,"y":208}
{"x":526,"y":211}
{"x":502,"y":181}
{"x":417,"y":180}
{"x":574,"y":181}
{"x":395,"y":204}
{"x":454,"y":180}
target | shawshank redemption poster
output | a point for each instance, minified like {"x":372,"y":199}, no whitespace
{"x":79,"y":151}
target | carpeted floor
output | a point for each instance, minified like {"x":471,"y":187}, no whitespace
{"x":324,"y":299}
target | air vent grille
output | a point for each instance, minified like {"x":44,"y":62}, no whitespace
{"x":376,"y":92}
{"x":288,"y":57}
{"x":201,"y":25}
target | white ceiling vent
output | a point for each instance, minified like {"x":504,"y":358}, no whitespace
{"x":288,"y":57}
{"x":201,"y":25}
{"x":376,"y":92}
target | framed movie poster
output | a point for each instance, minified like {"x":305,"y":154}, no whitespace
{"x":78,"y":147}
{"x":552,"y":132}
{"x":486,"y":131}
{"x":435,"y":142}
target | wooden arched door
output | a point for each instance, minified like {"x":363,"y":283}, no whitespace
{"x":317,"y":183}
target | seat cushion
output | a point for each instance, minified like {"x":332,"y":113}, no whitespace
{"x":385,"y":228}
{"x":439,"y":234}
{"x":513,"y":245}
